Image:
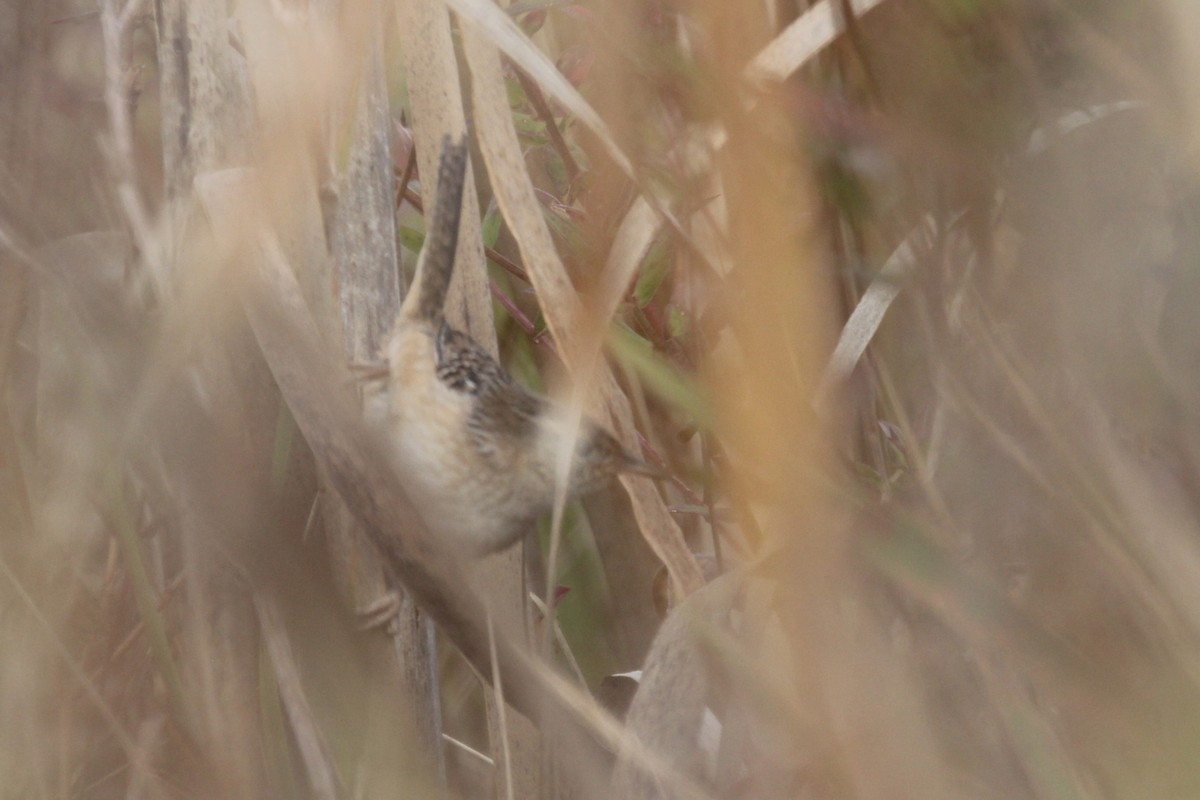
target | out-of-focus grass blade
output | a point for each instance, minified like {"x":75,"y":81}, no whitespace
{"x":281,"y":454}
{"x":1042,"y":138}
{"x":653,"y":274}
{"x":659,"y":374}
{"x":908,"y":556}
{"x":132,"y":751}
{"x":525,"y":6}
{"x":147,"y":601}
{"x":311,"y":747}
{"x":275,"y":734}
{"x":1048,"y":766}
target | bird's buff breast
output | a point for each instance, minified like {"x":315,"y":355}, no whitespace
{"x":433,"y":451}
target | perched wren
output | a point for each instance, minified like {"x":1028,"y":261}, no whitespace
{"x":476,"y":450}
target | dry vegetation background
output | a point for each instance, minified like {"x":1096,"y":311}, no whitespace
{"x":901,"y":292}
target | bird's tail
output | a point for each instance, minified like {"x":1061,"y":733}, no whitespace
{"x":435,"y":266}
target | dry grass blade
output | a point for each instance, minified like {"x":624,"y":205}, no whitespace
{"x":132,"y":751}
{"x":559,"y":639}
{"x":314,"y":752}
{"x":116,"y":31}
{"x":634,"y":237}
{"x":13,"y":245}
{"x":868,"y":315}
{"x":148,"y":606}
{"x":498,"y":688}
{"x":812,"y":31}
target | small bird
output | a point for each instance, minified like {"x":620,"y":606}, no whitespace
{"x":475,"y":449}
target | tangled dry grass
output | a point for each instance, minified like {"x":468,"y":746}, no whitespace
{"x":900,"y":292}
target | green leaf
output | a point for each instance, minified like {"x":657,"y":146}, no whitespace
{"x":657,"y":265}
{"x":411,"y":238}
{"x":566,"y":233}
{"x":522,"y":363}
{"x":869,"y":475}
{"x":281,"y":453}
{"x":530,"y":128}
{"x":658,"y":374}
{"x":491,"y":225}
{"x":678,"y":323}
